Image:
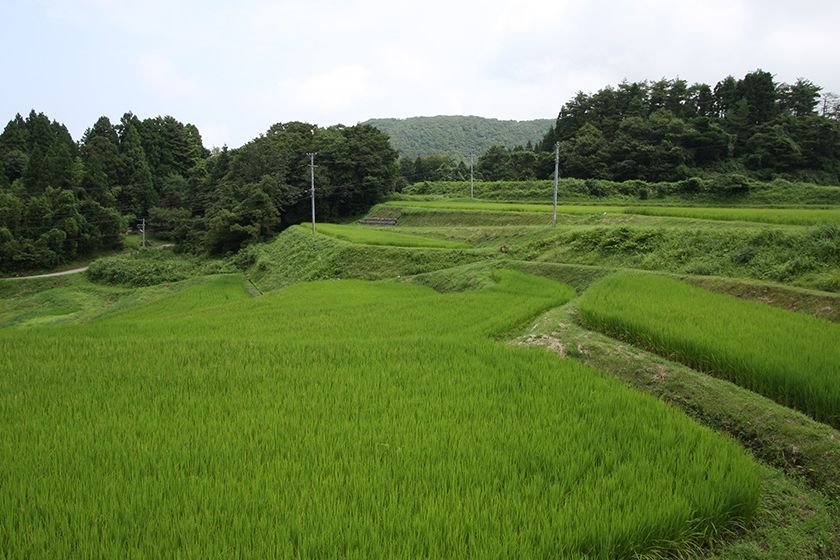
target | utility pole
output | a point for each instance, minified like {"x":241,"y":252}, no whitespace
{"x":472,"y":179}
{"x":143,"y":232}
{"x":556,"y":174}
{"x":312,"y":190}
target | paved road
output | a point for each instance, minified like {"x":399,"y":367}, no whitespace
{"x":62,"y":273}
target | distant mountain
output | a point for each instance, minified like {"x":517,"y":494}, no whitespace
{"x":458,"y":136}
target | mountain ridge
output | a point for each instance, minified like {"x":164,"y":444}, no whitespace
{"x":457,"y":135}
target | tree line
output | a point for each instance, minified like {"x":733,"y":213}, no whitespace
{"x":668,"y":130}
{"x":61,"y":199}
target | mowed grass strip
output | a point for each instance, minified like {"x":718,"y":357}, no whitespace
{"x":369,"y":235}
{"x":790,"y":357}
{"x":344,"y":419}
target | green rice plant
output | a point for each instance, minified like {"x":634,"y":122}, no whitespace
{"x":790,"y":357}
{"x":369,"y":235}
{"x":344,"y":419}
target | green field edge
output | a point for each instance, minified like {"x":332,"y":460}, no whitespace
{"x":682,"y":212}
{"x":817,"y":303}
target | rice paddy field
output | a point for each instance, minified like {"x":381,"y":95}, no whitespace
{"x":791,"y":357}
{"x":344,"y":419}
{"x":379,"y":236}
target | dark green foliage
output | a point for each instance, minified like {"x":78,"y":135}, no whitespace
{"x":100,"y":154}
{"x":60,"y":200}
{"x":136,"y":189}
{"x":251,"y":191}
{"x":45,"y":230}
{"x":667,"y":130}
{"x":433,"y":168}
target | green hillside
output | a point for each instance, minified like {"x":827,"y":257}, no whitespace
{"x":457,"y":136}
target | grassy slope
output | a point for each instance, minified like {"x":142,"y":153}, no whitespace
{"x":375,"y":431}
{"x":809,"y":258}
{"x":294,"y":256}
{"x":73,"y":299}
{"x":824,"y":305}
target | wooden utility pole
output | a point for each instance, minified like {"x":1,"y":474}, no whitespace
{"x":472,"y":180}
{"x":556,"y":175}
{"x":312,"y":189}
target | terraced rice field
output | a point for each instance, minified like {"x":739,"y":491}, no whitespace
{"x":343,"y":419}
{"x":781,"y":216}
{"x":790,"y":357}
{"x":368,"y":235}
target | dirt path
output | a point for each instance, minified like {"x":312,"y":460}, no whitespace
{"x":72,"y":270}
{"x":62,"y":273}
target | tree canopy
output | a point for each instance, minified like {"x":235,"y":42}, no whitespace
{"x":60,"y":199}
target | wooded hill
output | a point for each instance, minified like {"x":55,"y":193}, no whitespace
{"x":61,"y":199}
{"x":458,"y":136}
{"x":668,"y":130}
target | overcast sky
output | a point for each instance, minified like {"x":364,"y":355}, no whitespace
{"x":235,"y":67}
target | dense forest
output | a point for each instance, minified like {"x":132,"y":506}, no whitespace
{"x":669,"y":130}
{"x":61,"y":199}
{"x":457,"y":136}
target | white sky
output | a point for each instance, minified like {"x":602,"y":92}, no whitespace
{"x":235,"y":67}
